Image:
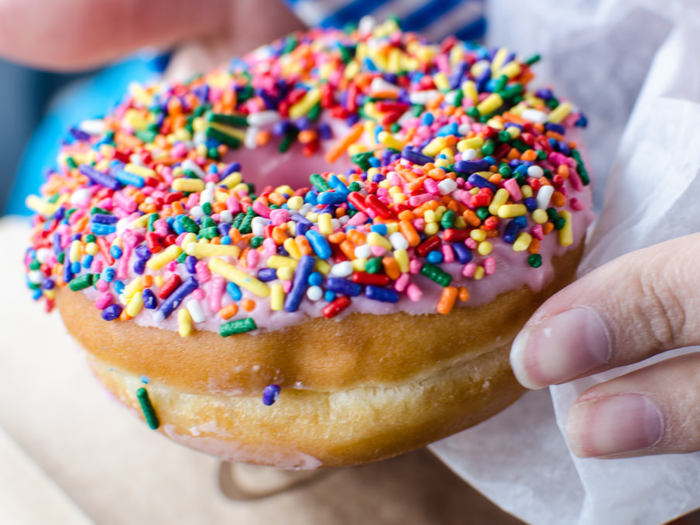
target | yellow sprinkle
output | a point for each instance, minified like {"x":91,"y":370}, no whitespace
{"x":295,"y":203}
{"x":437,"y":144}
{"x":40,"y":206}
{"x":473,"y":143}
{"x":499,"y":59}
{"x":499,"y":200}
{"x":526,"y":191}
{"x":184,"y":320}
{"x":560,"y":113}
{"x":285,"y":273}
{"x":431,"y":228}
{"x":359,"y":265}
{"x":374,"y":239}
{"x":200,"y":250}
{"x":239,"y":277}
{"x":429,"y":216}
{"x":159,"y":280}
{"x":478,"y":235}
{"x":391,"y":141}
{"x":76,"y":251}
{"x":490,"y":104}
{"x":325,"y":224}
{"x":511,"y":70}
{"x":539,"y":216}
{"x":187,"y":240}
{"x":401,"y":257}
{"x":292,"y":249}
{"x":91,"y":248}
{"x":141,"y":222}
{"x":301,"y":108}
{"x":135,"y":304}
{"x":460,"y":223}
{"x":131,"y":289}
{"x":514,"y":132}
{"x":566,"y":234}
{"x":470,"y":92}
{"x":50,"y":294}
{"x":522,"y":243}
{"x":226,"y":130}
{"x":191,"y":185}
{"x":279,"y":261}
{"x":479,"y":273}
{"x":276,"y":297}
{"x":485,"y":248}
{"x":322,"y":266}
{"x":232,"y":180}
{"x":141,"y":171}
{"x":441,"y":81}
{"x":511,"y":210}
{"x":169,"y":254}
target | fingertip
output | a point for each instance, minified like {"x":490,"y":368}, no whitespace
{"x":519,"y":361}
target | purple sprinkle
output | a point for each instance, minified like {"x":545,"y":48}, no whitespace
{"x":98,"y":177}
{"x":271,"y":393}
{"x":111,"y":312}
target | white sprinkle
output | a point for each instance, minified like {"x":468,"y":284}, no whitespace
{"x":258,"y":226}
{"x":197,"y":212}
{"x":535,"y":172}
{"x":189,"y":164}
{"x":263,"y":118}
{"x":534,"y":115}
{"x":363,"y":252}
{"x":92,"y":127}
{"x":463,"y":129}
{"x":196,"y":311}
{"x":398,"y":241}
{"x":447,"y":186}
{"x":36,"y":276}
{"x":314,"y":293}
{"x":342,"y":269}
{"x":379,"y":85}
{"x":43,"y":255}
{"x":543,"y":197}
{"x":250,"y":141}
{"x":227,"y":216}
{"x":469,"y":154}
{"x":366,"y":25}
{"x":423,"y":97}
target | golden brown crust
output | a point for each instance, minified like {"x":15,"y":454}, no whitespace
{"x":319,"y":354}
{"x":356,"y":390}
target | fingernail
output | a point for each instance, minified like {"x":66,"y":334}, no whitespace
{"x":613,"y":425}
{"x":559,"y":348}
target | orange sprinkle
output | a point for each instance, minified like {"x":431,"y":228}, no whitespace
{"x":558,"y":199}
{"x":303,"y":245}
{"x":306,"y":136}
{"x":447,"y":300}
{"x":218,"y":207}
{"x":514,"y":154}
{"x":436,"y":174}
{"x":410,"y":233}
{"x":358,"y":238}
{"x":534,"y":246}
{"x":391,"y":268}
{"x":463,"y":294}
{"x":348,"y":249}
{"x":343,"y":144}
{"x":178,"y":208}
{"x":228,"y":311}
{"x":263,"y":137}
{"x":248,"y":305}
{"x":278,"y":235}
{"x":147,"y":281}
{"x":547,"y":228}
{"x":530,"y":155}
{"x":563,"y":170}
{"x":406,"y":215}
{"x":337,"y":237}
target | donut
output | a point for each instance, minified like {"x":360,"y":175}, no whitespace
{"x":317,"y":255}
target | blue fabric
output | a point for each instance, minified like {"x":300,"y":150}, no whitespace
{"x":83,"y":100}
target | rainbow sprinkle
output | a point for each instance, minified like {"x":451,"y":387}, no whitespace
{"x":148,"y":206}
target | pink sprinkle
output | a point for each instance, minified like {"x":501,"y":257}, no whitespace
{"x":106,"y":204}
{"x":431,"y":186}
{"x":357,"y":219}
{"x":279,"y":217}
{"x":576,"y":204}
{"x":171,"y":266}
{"x":123,"y":264}
{"x":490,"y":264}
{"x":464,"y":197}
{"x":253,"y":258}
{"x":419,"y":224}
{"x":102,"y":286}
{"x":469,"y":270}
{"x":401,"y":283}
{"x":167,"y":174}
{"x":417,"y":200}
{"x":514,"y":189}
{"x":261,"y":209}
{"x":448,"y":253}
{"x":270,"y":247}
{"x":414,"y":293}
{"x":377,"y":251}
{"x":537,"y":232}
{"x":129,"y":238}
{"x":178,"y":150}
{"x":103,"y":301}
{"x":470,"y":243}
{"x":125,"y":203}
{"x":372,"y":214}
{"x":382,"y":193}
{"x":564,"y":191}
{"x":161,"y":228}
{"x":198,"y":294}
{"x":97,"y":266}
{"x":202,"y":271}
{"x":216,"y":292}
{"x":233,"y":205}
{"x":192,"y":200}
{"x":286,"y":286}
{"x":211,"y":177}
{"x":120,"y":213}
{"x":414,"y":266}
{"x":147,"y":190}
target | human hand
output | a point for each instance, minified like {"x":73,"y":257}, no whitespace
{"x":632,"y":308}
{"x":78,"y":34}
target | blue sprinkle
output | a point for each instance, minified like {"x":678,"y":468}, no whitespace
{"x":87,"y":262}
{"x":331,"y":197}
{"x":177,"y":226}
{"x":149,"y":299}
{"x":301,"y":277}
{"x":374,"y":162}
{"x":36,"y":294}
{"x":103,"y":218}
{"x":449,"y":129}
{"x":481,"y":182}
{"x":462,"y":252}
{"x":319,"y":244}
{"x":267,"y":274}
{"x":310,"y":198}
{"x":118,"y":287}
{"x":173,"y":301}
{"x":48,"y":284}
{"x":435,"y":257}
{"x":428,"y":119}
{"x":315,"y":279}
{"x":108,"y":275}
{"x":556,"y":128}
{"x":129,"y":178}
{"x":511,"y":232}
{"x":145,"y":380}
{"x":384,"y":295}
{"x":415,"y":157}
{"x":116,"y":252}
{"x":521,"y":221}
{"x":271,"y":393}
{"x":472,"y":166}
{"x":234,"y":291}
{"x":530,"y":204}
{"x":75,"y":268}
{"x":381,"y":229}
{"x":102,"y":229}
{"x":226,"y":240}
{"x":112,"y":312}
{"x":343,"y":286}
{"x":329,"y":296}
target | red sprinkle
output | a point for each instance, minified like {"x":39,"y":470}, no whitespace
{"x":169,"y":286}
{"x":374,"y":279}
{"x":337,"y":306}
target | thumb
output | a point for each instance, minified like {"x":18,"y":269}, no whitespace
{"x":621,"y":313}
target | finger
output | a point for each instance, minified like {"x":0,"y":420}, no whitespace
{"x":623,"y":312}
{"x":655,"y":410}
{"x":73,"y":34}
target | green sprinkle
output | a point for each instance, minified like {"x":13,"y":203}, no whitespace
{"x":505,"y":171}
{"x":533,"y":60}
{"x":314,"y":113}
{"x":228,"y":120}
{"x":188,"y":224}
{"x":489,"y":147}
{"x":90,"y":238}
{"x":362,"y":159}
{"x":209,"y":233}
{"x":559,"y":223}
{"x":354,"y":186}
{"x":552,"y":213}
{"x":230,"y":141}
{"x":535,"y":260}
{"x":206,"y":208}
{"x":213,"y":153}
{"x":319,"y":182}
{"x":82,"y":282}
{"x":147,"y":408}
{"x":96,"y":209}
{"x":520,"y":146}
{"x":374,"y":265}
{"x":541,"y":155}
{"x":71,"y":163}
{"x":483,"y":213}
{"x":207,"y":222}
{"x":512,"y":91}
{"x":238,"y":219}
{"x":436,"y":274}
{"x":473,"y":112}
{"x":34,"y":265}
{"x":580,"y":168}
{"x":256,"y":242}
{"x":448,"y":219}
{"x":520,"y":179}
{"x":289,"y":44}
{"x":287,"y":140}
{"x":146,"y":135}
{"x":61,"y":257}
{"x":553,"y":103}
{"x":181,"y":259}
{"x":504,"y":137}
{"x":237,"y":327}
{"x":152,"y":218}
{"x":346,"y":54}
{"x":501,"y":83}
